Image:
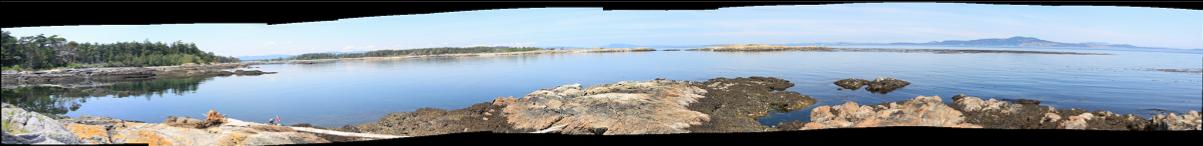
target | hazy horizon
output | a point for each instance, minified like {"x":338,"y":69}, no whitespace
{"x":592,"y":27}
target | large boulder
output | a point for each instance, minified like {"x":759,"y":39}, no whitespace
{"x":920,"y":111}
{"x":29,"y":127}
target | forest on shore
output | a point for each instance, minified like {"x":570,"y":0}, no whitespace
{"x":48,"y":52}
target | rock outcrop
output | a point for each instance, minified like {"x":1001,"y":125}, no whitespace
{"x":920,"y":111}
{"x":851,"y":83}
{"x":885,"y":85}
{"x":628,"y":107}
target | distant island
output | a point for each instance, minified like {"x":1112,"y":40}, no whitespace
{"x":1012,"y":42}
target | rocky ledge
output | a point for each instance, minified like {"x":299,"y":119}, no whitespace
{"x":629,"y":107}
{"x":733,"y":105}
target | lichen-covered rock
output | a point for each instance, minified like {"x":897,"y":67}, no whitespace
{"x":920,"y":111}
{"x":33,"y":127}
{"x":628,"y":107}
{"x":1172,"y":121}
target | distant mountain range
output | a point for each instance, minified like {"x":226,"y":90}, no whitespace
{"x":1019,"y":41}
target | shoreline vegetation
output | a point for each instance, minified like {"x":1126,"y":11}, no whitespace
{"x":660,"y":106}
{"x":40,"y":52}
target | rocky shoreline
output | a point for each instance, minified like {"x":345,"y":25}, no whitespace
{"x":733,"y":105}
{"x":660,"y":106}
{"x":89,"y":77}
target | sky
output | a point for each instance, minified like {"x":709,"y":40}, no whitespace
{"x":594,"y":27}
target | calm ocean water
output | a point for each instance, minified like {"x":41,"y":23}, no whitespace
{"x":351,"y":92}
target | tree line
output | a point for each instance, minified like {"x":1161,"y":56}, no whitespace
{"x":45,"y":52}
{"x":411,"y":52}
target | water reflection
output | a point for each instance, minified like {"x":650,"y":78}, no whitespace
{"x":60,"y":100}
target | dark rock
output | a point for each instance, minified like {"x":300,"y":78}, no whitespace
{"x":735,"y":104}
{"x":851,"y":83}
{"x":886,"y":85}
{"x":430,"y":121}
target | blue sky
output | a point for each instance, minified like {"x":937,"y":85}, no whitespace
{"x":592,"y":27}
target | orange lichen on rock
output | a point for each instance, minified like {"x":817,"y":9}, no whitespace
{"x":232,"y":139}
{"x":149,"y":138}
{"x":89,"y":133}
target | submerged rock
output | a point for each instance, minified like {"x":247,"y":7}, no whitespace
{"x":920,"y":111}
{"x":628,"y":107}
